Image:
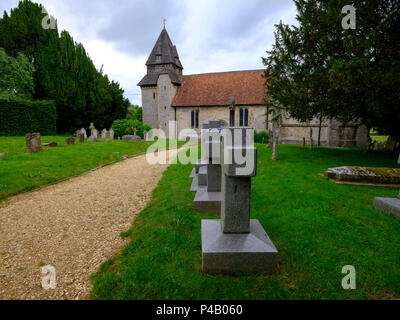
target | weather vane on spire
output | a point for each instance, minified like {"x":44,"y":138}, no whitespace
{"x":164,"y":20}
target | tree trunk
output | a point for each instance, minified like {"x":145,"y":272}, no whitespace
{"x":275,"y":128}
{"x":319,"y":131}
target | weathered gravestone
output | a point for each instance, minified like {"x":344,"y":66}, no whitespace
{"x":388,"y":205}
{"x":200,"y":178}
{"x":111,"y":134}
{"x":92,"y":139}
{"x":133,"y":137}
{"x":103,"y":133}
{"x":83,"y":131}
{"x":96,"y":133}
{"x":33,"y":143}
{"x":81,"y":138}
{"x":208,"y":199}
{"x":93,"y":133}
{"x":70,"y":141}
{"x":92,"y":128}
{"x":237,"y":243}
{"x":50,"y":144}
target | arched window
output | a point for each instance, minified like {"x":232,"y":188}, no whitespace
{"x":244,"y":117}
{"x":197,"y":118}
{"x":194,"y":119}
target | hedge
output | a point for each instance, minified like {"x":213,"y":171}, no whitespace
{"x":261,"y":137}
{"x":125,"y":127}
{"x":19,"y":116}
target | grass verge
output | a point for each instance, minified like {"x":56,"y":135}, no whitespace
{"x":317,"y":226}
{"x":20,"y":171}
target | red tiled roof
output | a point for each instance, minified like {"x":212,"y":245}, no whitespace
{"x":215,"y":89}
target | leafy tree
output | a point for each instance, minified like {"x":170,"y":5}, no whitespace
{"x":63,"y":71}
{"x":16,"y":76}
{"x":135,"y":112}
{"x":319,"y":69}
{"x":22,"y":30}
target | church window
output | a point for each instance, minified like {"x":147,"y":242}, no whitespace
{"x":194,"y":119}
{"x":197,"y":118}
{"x":154,"y":95}
{"x":244,"y":117}
{"x":232,"y":117}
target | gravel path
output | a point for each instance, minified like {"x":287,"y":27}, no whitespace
{"x":73,"y":226}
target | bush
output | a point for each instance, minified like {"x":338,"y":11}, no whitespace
{"x":125,"y":127}
{"x":20,"y":116}
{"x":259,"y":136}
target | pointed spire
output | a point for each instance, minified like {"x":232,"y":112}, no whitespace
{"x":163,"y":58}
{"x":164,"y":51}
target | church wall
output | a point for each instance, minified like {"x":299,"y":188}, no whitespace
{"x":333,"y":133}
{"x":150,"y":106}
{"x":166,"y":91}
{"x":256,"y":116}
{"x":292,"y":132}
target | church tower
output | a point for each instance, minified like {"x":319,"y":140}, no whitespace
{"x":159,"y":85}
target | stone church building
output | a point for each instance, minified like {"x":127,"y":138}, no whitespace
{"x":235,"y":98}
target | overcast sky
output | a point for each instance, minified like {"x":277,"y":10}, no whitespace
{"x":210,"y":35}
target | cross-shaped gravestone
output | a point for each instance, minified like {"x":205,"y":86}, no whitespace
{"x":237,"y":243}
{"x":92,"y":128}
{"x":236,"y":186}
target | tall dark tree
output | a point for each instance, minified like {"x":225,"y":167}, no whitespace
{"x":319,"y":69}
{"x":63,"y":71}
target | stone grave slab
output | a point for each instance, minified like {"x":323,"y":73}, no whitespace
{"x":389,"y":205}
{"x":207,"y":202}
{"x":237,"y":252}
{"x":192,"y":173}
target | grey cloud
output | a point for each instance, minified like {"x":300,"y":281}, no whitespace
{"x":134,"y":28}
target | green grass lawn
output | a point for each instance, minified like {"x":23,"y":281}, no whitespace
{"x":20,"y":171}
{"x":376,"y":136}
{"x":316,"y":225}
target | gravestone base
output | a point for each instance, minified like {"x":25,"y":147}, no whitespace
{"x":193,"y":173}
{"x":202,"y":176}
{"x":200,"y":163}
{"x":236,"y":252}
{"x":389,"y":205}
{"x":195,"y":184}
{"x":207,"y":202}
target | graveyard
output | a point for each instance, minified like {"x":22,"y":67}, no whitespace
{"x":21,"y":171}
{"x":239,"y":151}
{"x":316,"y":225}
